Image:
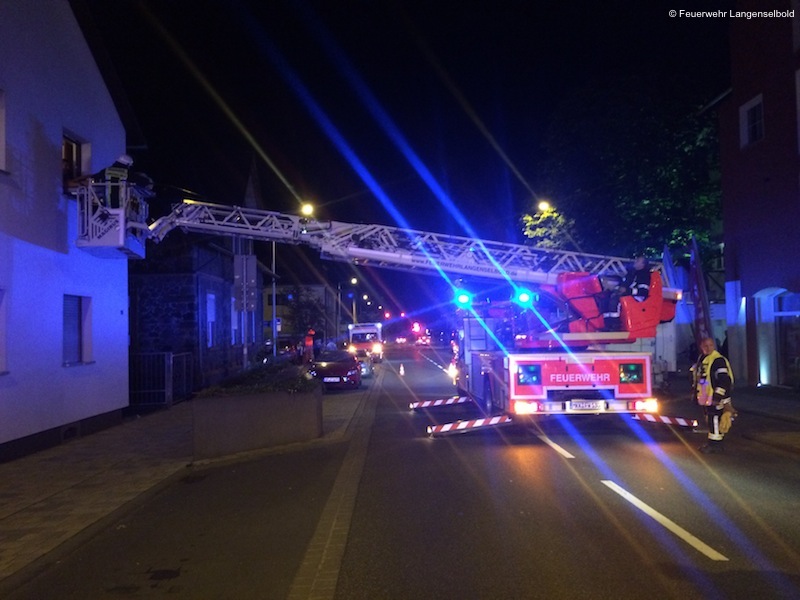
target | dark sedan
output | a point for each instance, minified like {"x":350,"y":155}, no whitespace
{"x":336,"y":369}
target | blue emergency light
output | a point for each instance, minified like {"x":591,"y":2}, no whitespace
{"x":524,"y":297}
{"x":462,"y":298}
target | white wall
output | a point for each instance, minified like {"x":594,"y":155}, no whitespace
{"x":52,"y":86}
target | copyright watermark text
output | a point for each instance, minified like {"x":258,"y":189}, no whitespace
{"x":732,"y":14}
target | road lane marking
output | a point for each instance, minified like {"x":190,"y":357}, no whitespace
{"x":687,"y":537}
{"x":433,"y":362}
{"x":562,"y":451}
{"x":319,"y":570}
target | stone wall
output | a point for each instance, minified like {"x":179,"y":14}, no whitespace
{"x":226,"y":425}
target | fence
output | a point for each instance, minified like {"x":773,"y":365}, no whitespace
{"x":160,"y":378}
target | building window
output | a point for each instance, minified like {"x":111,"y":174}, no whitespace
{"x":77,"y":330}
{"x":70,"y":159}
{"x":3,"y":334}
{"x":795,"y":8}
{"x":797,"y":98}
{"x":235,"y":338}
{"x":787,"y":319}
{"x":211,"y":320}
{"x":751,"y":121}
{"x":3,"y":165}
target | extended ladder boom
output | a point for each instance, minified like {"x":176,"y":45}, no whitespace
{"x":388,"y":247}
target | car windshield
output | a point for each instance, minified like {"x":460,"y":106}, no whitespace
{"x":334,"y":356}
{"x":360,"y":338}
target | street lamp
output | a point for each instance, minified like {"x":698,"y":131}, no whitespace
{"x":274,"y":305}
{"x":353,"y":281}
{"x":355,"y":313}
{"x":307,"y":210}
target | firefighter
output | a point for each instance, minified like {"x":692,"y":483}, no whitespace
{"x":636,"y":283}
{"x":712,"y":386}
{"x":637,"y":280}
{"x":308,"y":346}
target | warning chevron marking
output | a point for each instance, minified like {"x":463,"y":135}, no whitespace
{"x":666,"y":420}
{"x":442,"y":402}
{"x":462,"y":426}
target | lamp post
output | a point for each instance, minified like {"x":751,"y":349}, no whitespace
{"x":354,"y":281}
{"x":274,"y":305}
{"x":307,"y":210}
{"x":340,"y":304}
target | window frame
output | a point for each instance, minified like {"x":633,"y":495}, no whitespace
{"x":3,"y":127}
{"x":77,"y":350}
{"x":751,"y":132}
{"x":3,"y":332}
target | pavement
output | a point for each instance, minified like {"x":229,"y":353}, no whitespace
{"x":49,"y":497}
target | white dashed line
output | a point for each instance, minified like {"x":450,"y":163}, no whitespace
{"x":687,"y":537}
{"x":554,"y":446}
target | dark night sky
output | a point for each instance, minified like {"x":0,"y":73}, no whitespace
{"x":371,"y":67}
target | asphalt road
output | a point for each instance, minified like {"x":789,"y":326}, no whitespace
{"x":569,"y":508}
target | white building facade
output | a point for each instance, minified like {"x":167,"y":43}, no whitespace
{"x":63,"y":312}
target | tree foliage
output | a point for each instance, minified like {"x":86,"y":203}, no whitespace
{"x":549,"y":229}
{"x":634,"y":168}
{"x":305,"y":310}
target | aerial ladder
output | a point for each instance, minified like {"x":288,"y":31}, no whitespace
{"x":572,"y":280}
{"x":125,"y":228}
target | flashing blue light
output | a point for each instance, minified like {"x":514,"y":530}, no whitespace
{"x":525,"y":298}
{"x":463,"y":298}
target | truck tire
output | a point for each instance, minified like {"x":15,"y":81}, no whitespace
{"x":487,"y":404}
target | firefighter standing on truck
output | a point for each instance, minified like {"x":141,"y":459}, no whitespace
{"x":712,"y":387}
{"x":636,"y":283}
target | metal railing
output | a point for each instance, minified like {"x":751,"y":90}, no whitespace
{"x":160,"y":378}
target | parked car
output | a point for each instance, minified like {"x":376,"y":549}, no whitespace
{"x":336,"y":369}
{"x":365,"y":362}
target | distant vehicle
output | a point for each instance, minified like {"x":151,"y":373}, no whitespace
{"x":336,"y":369}
{"x":366,"y":363}
{"x":367,"y":336}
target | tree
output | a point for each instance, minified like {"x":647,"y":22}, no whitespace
{"x":635,"y":167}
{"x":305,"y":311}
{"x":548,"y":228}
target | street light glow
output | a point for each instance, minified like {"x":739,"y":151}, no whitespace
{"x":544,"y":206}
{"x":307,"y":209}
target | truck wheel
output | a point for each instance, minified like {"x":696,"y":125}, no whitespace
{"x":487,"y":404}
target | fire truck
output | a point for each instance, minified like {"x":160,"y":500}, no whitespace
{"x":543,"y":352}
{"x":547,"y":352}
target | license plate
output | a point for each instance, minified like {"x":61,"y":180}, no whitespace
{"x":586,"y":405}
{"x":330,"y":379}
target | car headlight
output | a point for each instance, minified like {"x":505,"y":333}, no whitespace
{"x":377,"y":348}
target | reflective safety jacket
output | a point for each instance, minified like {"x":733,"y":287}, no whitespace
{"x":713,"y":380}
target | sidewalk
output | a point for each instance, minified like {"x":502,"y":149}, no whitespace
{"x":780,"y":404}
{"x":48,"y":497}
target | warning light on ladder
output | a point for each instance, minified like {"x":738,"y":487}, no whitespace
{"x":402,"y":370}
{"x":463,"y":299}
